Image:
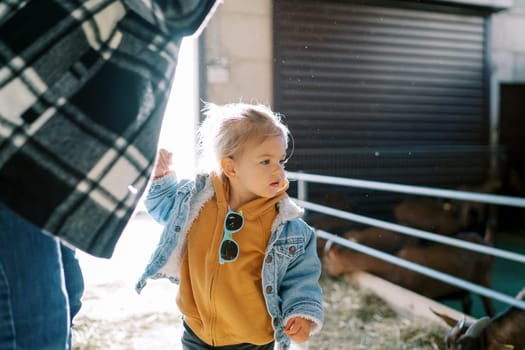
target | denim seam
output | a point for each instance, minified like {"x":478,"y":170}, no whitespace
{"x":7,"y":320}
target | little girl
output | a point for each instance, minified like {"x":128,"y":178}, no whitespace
{"x":247,"y":264}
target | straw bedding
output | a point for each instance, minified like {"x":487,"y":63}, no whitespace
{"x":355,"y":319}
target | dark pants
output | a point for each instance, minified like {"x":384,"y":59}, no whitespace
{"x":191,"y":342}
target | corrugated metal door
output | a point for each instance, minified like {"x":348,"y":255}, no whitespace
{"x":383,"y":91}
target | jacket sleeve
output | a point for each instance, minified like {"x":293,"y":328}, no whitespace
{"x":300,"y":290}
{"x":160,"y":199}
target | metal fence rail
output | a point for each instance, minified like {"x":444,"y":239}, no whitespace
{"x":408,"y":189}
{"x":304,"y":178}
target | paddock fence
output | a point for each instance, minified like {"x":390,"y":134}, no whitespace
{"x":303,"y":179}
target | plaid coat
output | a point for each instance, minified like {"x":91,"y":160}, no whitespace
{"x":83,"y":88}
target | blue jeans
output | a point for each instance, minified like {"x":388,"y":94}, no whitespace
{"x":41,"y":285}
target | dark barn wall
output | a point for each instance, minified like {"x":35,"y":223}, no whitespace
{"x":383,"y":90}
{"x":512,"y":140}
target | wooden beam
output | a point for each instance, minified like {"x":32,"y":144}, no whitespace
{"x":404,"y":301}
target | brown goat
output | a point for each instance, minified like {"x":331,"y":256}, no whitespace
{"x":473,"y":215}
{"x":447,"y":217}
{"x":374,"y":237}
{"x":503,"y":332}
{"x":380,"y":238}
{"x":465,"y":264}
{"x":427,"y":214}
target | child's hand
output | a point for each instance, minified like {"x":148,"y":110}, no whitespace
{"x":298,"y":329}
{"x":164,"y":161}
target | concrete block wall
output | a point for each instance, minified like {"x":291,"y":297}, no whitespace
{"x":508,"y":44}
{"x":238,"y":44}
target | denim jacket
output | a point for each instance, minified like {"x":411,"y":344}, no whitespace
{"x":291,"y":269}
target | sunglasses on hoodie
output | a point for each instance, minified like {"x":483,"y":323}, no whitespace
{"x":229,"y":249}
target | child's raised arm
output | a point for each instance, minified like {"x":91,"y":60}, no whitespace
{"x":159,"y":199}
{"x":163,"y":164}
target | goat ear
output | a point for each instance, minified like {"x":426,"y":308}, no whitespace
{"x":477,"y":327}
{"x":448,"y":320}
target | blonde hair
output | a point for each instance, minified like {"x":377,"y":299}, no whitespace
{"x":227,"y":129}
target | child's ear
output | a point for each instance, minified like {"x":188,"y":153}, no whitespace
{"x":228,"y":167}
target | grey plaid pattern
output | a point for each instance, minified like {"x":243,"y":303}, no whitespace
{"x":83,"y":88}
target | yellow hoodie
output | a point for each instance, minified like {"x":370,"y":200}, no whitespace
{"x":224,"y":304}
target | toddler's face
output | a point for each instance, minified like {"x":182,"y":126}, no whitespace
{"x":260,"y":168}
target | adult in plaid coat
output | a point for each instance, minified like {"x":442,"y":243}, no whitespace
{"x":83,"y":88}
